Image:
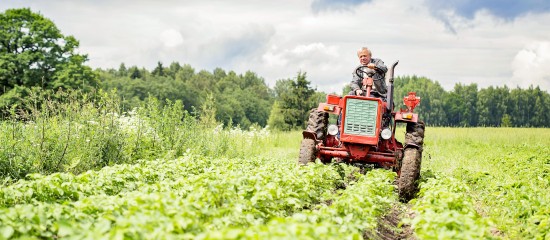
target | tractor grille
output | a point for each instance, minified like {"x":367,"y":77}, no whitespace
{"x":361,"y":116}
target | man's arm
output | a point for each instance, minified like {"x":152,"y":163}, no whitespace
{"x":379,"y":77}
{"x":380,"y":66}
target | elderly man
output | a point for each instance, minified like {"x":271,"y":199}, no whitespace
{"x":379,"y":87}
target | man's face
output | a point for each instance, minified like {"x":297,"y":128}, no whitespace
{"x":364,"y":57}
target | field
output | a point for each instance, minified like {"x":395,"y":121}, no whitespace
{"x":477,"y":183}
{"x":499,"y":176}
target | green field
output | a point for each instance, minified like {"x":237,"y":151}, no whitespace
{"x":477,"y":183}
{"x":500,"y":175}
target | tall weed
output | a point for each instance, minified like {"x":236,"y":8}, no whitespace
{"x":75,"y":133}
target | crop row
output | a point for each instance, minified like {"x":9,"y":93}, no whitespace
{"x":352,"y":215}
{"x":506,"y":171}
{"x":184,"y":197}
{"x":60,"y":187}
{"x":444,"y":210}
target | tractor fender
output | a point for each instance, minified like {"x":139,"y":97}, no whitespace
{"x":309,"y":135}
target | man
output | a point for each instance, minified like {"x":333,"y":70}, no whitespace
{"x":379,"y":88}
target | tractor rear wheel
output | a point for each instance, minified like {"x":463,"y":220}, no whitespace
{"x":316,"y":123}
{"x":307,"y":151}
{"x":412,"y":159}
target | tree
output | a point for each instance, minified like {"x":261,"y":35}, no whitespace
{"x":295,"y":99}
{"x":33,"y":52}
{"x":432,"y":108}
{"x":282,"y":88}
{"x":122,"y":71}
{"x":300,"y":102}
{"x":173,"y":69}
{"x":241,"y":99}
{"x":505,"y":122}
{"x":346,"y":89}
{"x":185,"y":74}
{"x":277,"y":119}
{"x":464,"y":99}
{"x":74,"y":75}
{"x":159,"y":70}
{"x":541,"y":109}
{"x":135,"y":73}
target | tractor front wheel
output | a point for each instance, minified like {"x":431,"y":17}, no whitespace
{"x":307,"y":151}
{"x":412,"y":159}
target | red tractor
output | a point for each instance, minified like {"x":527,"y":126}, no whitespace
{"x":365,"y":133}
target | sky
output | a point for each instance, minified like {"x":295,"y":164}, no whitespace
{"x":490,"y":42}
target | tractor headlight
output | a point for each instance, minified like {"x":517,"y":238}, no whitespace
{"x":386,"y":133}
{"x":332,"y":129}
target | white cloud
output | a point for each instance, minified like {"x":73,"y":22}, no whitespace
{"x":531,"y":66}
{"x":303,"y":56}
{"x":273,"y":58}
{"x":171,"y":38}
{"x":321,"y":62}
{"x":279,"y":38}
{"x":305,"y":50}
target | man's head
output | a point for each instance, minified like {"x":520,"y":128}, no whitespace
{"x":364,"y":55}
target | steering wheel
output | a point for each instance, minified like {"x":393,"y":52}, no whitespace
{"x":362,"y":70}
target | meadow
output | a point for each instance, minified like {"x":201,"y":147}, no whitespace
{"x":86,"y":170}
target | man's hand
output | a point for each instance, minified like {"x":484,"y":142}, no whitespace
{"x":358,"y":92}
{"x":371,"y":66}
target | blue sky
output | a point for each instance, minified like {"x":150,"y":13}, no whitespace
{"x":505,"y":9}
{"x":332,"y":5}
{"x":485,"y":42}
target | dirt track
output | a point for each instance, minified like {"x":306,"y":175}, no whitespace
{"x":388,"y":226}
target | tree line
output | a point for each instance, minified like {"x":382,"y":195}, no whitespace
{"x":236,"y":99}
{"x":244,"y":99}
{"x":36,"y":59}
{"x":469,"y":106}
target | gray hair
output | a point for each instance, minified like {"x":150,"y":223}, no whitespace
{"x":362,"y":49}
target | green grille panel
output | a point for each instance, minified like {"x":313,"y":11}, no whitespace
{"x":361,"y":117}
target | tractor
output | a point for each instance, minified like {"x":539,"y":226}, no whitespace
{"x":364,"y":133}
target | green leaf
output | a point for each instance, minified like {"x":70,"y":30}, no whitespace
{"x":7,"y":232}
{"x":64,"y":228}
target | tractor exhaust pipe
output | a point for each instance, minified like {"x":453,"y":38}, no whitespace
{"x":390,"y":86}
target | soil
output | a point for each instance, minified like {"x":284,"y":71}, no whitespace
{"x":390,"y":226}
